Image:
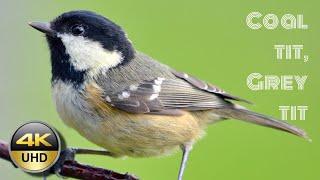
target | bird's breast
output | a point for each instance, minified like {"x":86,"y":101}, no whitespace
{"x":72,"y":107}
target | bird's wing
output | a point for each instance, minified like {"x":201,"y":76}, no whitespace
{"x":168,"y":96}
{"x":207,"y":87}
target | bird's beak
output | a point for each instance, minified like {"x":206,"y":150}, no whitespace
{"x":43,"y":27}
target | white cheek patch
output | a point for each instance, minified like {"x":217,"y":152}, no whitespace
{"x":87,"y":54}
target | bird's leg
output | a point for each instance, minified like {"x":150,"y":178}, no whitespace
{"x":93,"y":152}
{"x":69,"y":155}
{"x":186,"y":148}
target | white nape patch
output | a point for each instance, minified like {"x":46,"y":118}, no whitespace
{"x":185,"y":75}
{"x":88,"y":54}
{"x":153,"y":97}
{"x":128,"y":38}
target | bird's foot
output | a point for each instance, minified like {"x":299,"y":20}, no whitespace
{"x":70,"y":153}
{"x":65,"y":155}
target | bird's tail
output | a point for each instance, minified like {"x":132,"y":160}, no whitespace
{"x":240,"y":113}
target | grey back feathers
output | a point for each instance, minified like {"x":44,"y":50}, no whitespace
{"x":146,"y":86}
{"x":137,"y":70}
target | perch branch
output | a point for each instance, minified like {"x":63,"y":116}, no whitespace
{"x":76,"y":170}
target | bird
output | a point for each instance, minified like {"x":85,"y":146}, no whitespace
{"x":125,"y":101}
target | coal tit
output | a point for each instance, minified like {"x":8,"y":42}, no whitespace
{"x":127,"y":102}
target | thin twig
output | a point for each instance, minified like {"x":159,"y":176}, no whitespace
{"x":4,"y":151}
{"x":76,"y":170}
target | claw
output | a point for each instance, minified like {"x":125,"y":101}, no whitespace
{"x":66,"y":155}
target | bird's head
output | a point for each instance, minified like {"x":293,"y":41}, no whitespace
{"x":83,"y":42}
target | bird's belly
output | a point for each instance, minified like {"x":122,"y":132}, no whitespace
{"x":135,"y":137}
{"x":145,"y":135}
{"x":126,"y":134}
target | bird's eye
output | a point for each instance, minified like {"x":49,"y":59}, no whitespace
{"x":77,"y":30}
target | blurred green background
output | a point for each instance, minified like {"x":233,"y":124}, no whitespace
{"x":208,"y":39}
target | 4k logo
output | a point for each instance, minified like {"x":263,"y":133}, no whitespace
{"x":27,"y":139}
{"x":35,"y":147}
